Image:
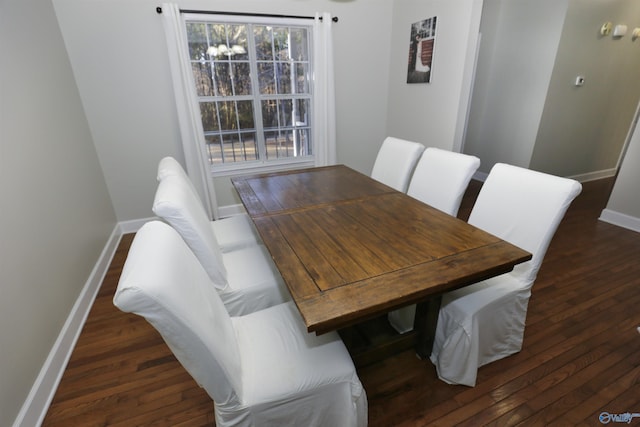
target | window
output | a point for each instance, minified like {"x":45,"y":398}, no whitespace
{"x":254,"y":87}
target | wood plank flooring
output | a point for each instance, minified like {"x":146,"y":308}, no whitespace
{"x":581,"y":353}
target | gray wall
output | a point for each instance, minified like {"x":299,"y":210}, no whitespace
{"x":583,"y":129}
{"x":121,"y":67}
{"x":526,"y":109}
{"x":56,"y":213}
{"x":515,"y":61}
{"x":624,"y":200}
{"x":125,"y":85}
{"x":433,"y":113}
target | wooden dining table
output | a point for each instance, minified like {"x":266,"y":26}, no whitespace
{"x":350,"y":248}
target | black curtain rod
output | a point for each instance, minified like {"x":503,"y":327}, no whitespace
{"x":268,"y":15}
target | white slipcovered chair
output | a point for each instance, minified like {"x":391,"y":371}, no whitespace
{"x":233,"y":232}
{"x":395,"y":162}
{"x":484,"y":322}
{"x":440,"y":179}
{"x":261,"y":369}
{"x":246,"y":278}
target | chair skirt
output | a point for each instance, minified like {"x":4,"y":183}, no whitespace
{"x":477,"y":325}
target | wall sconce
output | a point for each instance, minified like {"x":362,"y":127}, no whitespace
{"x":606,"y":28}
{"x":635,"y":34}
{"x":619,"y":31}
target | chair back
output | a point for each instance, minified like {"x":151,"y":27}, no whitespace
{"x":170,"y":166}
{"x":523,"y":207}
{"x":163,"y":282}
{"x":395,"y":162}
{"x":441,"y":177}
{"x":179,"y":206}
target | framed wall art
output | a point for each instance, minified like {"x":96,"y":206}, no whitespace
{"x":422,"y":40}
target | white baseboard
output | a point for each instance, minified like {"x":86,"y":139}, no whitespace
{"x":480,"y":176}
{"x":133,"y":226}
{"x":37,"y":403}
{"x":585,"y":177}
{"x":231,"y":210}
{"x":592,"y":176}
{"x":620,"y":219}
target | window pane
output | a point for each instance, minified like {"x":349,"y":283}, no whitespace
{"x":214,"y":149}
{"x":285,"y":109}
{"x":223,"y":78}
{"x":281,"y":43}
{"x":266,"y":80}
{"x":270,"y":114}
{"x":302,"y":78}
{"x":202,"y":77}
{"x":264,"y":46}
{"x":283,"y":77}
{"x":245,"y":115}
{"x":249,"y":145}
{"x":238,"y":42}
{"x":285,"y":113}
{"x":241,"y":78}
{"x":276,"y":143}
{"x":197,"y":37}
{"x":236,"y":115}
{"x":299,"y":44}
{"x":228,"y":116}
{"x":303,"y":140}
{"x":217,"y":36}
{"x":232,"y":148}
{"x":227,"y":42}
{"x":209,"y":116}
{"x":239,"y":147}
{"x":301,"y":112}
{"x":229,"y":148}
{"x":287,"y":144}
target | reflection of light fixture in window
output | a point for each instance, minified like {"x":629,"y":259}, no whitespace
{"x":223,"y":49}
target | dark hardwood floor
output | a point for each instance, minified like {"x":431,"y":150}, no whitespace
{"x":581,"y":353}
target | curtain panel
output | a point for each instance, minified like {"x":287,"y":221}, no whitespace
{"x":324,"y":129}
{"x":191,"y":131}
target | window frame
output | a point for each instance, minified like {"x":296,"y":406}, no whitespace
{"x":262,"y":165}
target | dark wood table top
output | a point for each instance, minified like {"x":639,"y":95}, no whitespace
{"x":350,"y":248}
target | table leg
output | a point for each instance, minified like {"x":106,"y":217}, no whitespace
{"x":425,"y":324}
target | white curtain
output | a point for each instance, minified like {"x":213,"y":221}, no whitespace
{"x":324,"y":128}
{"x":191,"y":131}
